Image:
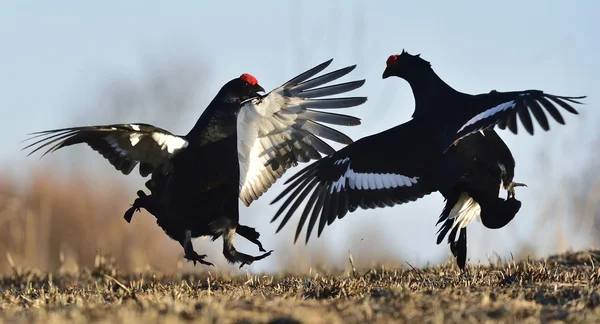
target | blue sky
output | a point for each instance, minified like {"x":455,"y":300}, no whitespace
{"x":55,"y":54}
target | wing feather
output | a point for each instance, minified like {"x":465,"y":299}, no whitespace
{"x":369,"y":173}
{"x":123,"y":145}
{"x":281,"y":129}
{"x":504,"y":108}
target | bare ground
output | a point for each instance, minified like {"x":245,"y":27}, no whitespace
{"x":564,"y":288}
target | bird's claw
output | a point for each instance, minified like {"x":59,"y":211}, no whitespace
{"x":250,"y":259}
{"x":511,"y":189}
{"x":198,"y":258}
{"x":260,"y":247}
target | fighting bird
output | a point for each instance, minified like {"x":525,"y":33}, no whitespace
{"x":241,"y":144}
{"x":486,"y":166}
{"x":409,"y":161}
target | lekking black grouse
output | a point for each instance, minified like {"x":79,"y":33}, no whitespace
{"x":486,"y":166}
{"x":241,"y":144}
{"x":407,"y":162}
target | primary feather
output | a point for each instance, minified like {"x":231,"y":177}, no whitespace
{"x":279,"y":129}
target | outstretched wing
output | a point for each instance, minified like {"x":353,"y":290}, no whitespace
{"x":278,"y":130}
{"x":385,"y":169}
{"x":503,"y":109}
{"x":123,"y":145}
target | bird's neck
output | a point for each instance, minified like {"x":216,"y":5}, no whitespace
{"x":218,"y":121}
{"x":430,"y":91}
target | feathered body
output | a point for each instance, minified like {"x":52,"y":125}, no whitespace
{"x":239,"y":147}
{"x":448,"y":146}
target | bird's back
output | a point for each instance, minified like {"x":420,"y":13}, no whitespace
{"x":480,"y":160}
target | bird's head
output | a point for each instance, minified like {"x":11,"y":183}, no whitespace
{"x":404,"y":66}
{"x":242,"y":88}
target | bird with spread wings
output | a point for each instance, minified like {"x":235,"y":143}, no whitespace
{"x":241,"y":144}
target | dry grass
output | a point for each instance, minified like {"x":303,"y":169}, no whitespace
{"x":64,"y":222}
{"x":53,"y":231}
{"x":563,"y":288}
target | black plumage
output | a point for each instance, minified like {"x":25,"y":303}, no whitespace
{"x":376,"y":171}
{"x":240,"y":145}
{"x":486,"y":166}
{"x":469,"y":113}
{"x":408,"y":161}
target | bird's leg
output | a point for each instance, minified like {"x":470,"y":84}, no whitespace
{"x":459,"y":249}
{"x":251,"y":235}
{"x":190,"y":254}
{"x":510,"y":189}
{"x":233,"y":256}
{"x":138,"y":203}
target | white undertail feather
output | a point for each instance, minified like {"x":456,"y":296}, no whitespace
{"x":465,"y":211}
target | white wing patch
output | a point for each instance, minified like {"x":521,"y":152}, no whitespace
{"x":465,"y":211}
{"x":169,"y":142}
{"x":135,"y":138}
{"x":124,"y":144}
{"x":256,"y":148}
{"x":370,"y":181}
{"x":281,"y":129}
{"x":488,"y":113}
{"x":166,"y":142}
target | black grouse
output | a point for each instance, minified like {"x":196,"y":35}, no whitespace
{"x":486,"y":166}
{"x":407,"y":162}
{"x":433,"y":97}
{"x":241,"y":144}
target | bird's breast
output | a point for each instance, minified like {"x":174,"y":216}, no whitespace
{"x":217,"y":130}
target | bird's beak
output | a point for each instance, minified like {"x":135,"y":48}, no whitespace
{"x":387,"y":73}
{"x":258,"y":88}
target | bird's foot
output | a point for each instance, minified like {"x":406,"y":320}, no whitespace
{"x":511,"y":188}
{"x":135,"y":207}
{"x":246,"y":259}
{"x":195,"y":257}
{"x":251,"y":235}
{"x":190,"y":254}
